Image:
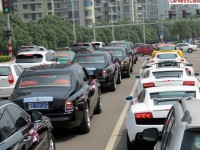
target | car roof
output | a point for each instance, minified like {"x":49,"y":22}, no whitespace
{"x":34,"y":52}
{"x":191,"y":111}
{"x":92,"y":53}
{"x":110,"y":47}
{"x":171,"y":88}
{"x":59,"y":67}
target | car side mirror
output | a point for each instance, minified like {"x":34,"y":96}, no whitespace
{"x":137,"y":76}
{"x":36,"y":116}
{"x":129,"y":98}
{"x":151,"y":134}
{"x":196,"y":74}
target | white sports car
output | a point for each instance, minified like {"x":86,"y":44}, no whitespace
{"x":171,"y":64}
{"x":166,"y":77}
{"x":167,"y":56}
{"x":151,"y":107}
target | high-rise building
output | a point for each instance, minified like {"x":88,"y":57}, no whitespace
{"x":33,"y":10}
{"x":83,"y":11}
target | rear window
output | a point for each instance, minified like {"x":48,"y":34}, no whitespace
{"x":95,"y":59}
{"x":173,"y":94}
{"x":115,"y":53}
{"x":29,"y":58}
{"x":46,"y":80}
{"x":167,"y":48}
{"x":5,"y":71}
{"x":191,"y":139}
{"x":119,"y":44}
{"x":167,"y":56}
{"x":82,"y":44}
{"x":167,"y":74}
{"x":61,"y":54}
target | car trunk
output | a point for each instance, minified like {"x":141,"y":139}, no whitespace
{"x":166,"y":82}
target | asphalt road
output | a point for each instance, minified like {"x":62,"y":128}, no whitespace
{"x":102,"y":125}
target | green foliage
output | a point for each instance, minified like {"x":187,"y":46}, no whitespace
{"x":52,"y":31}
{"x":5,"y":58}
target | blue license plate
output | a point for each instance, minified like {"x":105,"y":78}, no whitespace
{"x":40,"y":105}
{"x":90,"y":72}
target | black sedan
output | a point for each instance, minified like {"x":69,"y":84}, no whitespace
{"x":121,"y":56}
{"x":20,"y":131}
{"x":63,"y":92}
{"x":103,"y":65}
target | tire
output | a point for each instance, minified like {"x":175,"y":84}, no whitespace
{"x":128,"y":74}
{"x":52,"y":145}
{"x":129,"y":144}
{"x":141,"y":54}
{"x":119,"y":79}
{"x":85,"y":123}
{"x":190,"y":50}
{"x":113,"y":85}
{"x":131,"y":70}
{"x":98,"y":109}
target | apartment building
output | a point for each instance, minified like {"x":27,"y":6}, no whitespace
{"x":1,"y":9}
{"x":33,"y":10}
{"x":80,"y":10}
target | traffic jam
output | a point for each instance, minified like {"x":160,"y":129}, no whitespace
{"x":45,"y":91}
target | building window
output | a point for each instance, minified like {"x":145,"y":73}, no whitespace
{"x":49,"y":5}
{"x":24,"y":6}
{"x":25,"y":16}
{"x":33,"y":17}
{"x":40,"y":15}
{"x":76,"y":5}
{"x":88,"y":12}
{"x":87,"y":3}
{"x":39,"y":5}
{"x":33,"y":7}
{"x":57,"y":5}
{"x":88,"y":22}
{"x":49,"y":13}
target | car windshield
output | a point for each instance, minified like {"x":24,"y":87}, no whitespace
{"x":61,"y":54}
{"x":29,"y":58}
{"x":167,"y":48}
{"x":5,"y":71}
{"x":173,"y":94}
{"x":94,"y":59}
{"x":167,"y":56}
{"x":191,"y":139}
{"x":167,"y":74}
{"x":46,"y":80}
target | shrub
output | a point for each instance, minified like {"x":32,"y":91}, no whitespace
{"x":5,"y":58}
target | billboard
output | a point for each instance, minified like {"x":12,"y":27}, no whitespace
{"x":185,"y":2}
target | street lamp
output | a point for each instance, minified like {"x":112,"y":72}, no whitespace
{"x":111,"y":4}
{"x":74,"y":23}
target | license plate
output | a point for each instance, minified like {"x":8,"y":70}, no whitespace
{"x":90,"y":72}
{"x":43,"y":105}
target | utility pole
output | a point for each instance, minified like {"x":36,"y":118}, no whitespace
{"x":9,"y":39}
{"x":113,"y":32}
{"x":74,"y":23}
{"x":144,"y":35}
{"x":94,"y":33}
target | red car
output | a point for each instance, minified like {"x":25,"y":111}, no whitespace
{"x":145,"y":49}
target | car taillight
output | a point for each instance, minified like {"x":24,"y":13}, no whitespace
{"x":188,"y":83}
{"x":90,"y":51}
{"x":104,"y":73}
{"x":147,"y":85}
{"x":182,"y":60}
{"x":144,"y":115}
{"x":11,"y":79}
{"x":69,"y":61}
{"x":69,"y":106}
{"x":151,"y":61}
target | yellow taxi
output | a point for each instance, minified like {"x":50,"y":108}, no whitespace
{"x":167,"y":48}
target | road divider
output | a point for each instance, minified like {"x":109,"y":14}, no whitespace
{"x":115,"y":133}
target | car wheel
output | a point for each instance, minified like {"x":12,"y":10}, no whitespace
{"x":51,"y":143}
{"x":98,"y":109}
{"x":129,"y":144}
{"x":131,"y":69}
{"x":119,"y":79}
{"x":190,"y":50}
{"x":141,"y":54}
{"x":128,"y":74}
{"x":113,"y":85}
{"x":85,"y":124}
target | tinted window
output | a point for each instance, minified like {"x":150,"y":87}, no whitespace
{"x":19,"y":117}
{"x":141,"y":96}
{"x":7,"y":126}
{"x":167,"y":74}
{"x":173,"y":94}
{"x":29,"y":58}
{"x":167,"y":56}
{"x":191,"y":139}
{"x":97,"y":59}
{"x":5,"y":71}
{"x":46,"y":80}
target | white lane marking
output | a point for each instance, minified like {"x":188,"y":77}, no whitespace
{"x":115,"y":133}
